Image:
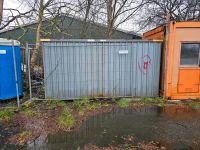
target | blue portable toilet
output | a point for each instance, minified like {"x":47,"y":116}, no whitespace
{"x":7,"y":71}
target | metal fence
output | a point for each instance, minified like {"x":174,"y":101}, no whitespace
{"x":100,"y":68}
{"x":35,"y":73}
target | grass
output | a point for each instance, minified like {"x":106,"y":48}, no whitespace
{"x":31,"y":113}
{"x":52,"y":104}
{"x":94,"y":105}
{"x":66,"y":119}
{"x":194,"y":105}
{"x":30,"y":108}
{"x":156,"y":100}
{"x":28,"y":104}
{"x":6,"y":114}
{"x":124,"y":102}
{"x":82,"y":104}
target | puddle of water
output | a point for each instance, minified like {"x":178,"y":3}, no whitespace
{"x":173,"y":127}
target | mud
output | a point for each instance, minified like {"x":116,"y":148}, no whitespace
{"x":105,"y":128}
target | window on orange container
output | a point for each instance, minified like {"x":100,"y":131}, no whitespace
{"x":189,"y":54}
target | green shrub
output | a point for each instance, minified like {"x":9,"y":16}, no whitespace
{"x":194,"y":105}
{"x":94,"y":105}
{"x":6,"y":114}
{"x":124,"y":102}
{"x":143,"y":100}
{"x":66,"y":119}
{"x":82,"y":104}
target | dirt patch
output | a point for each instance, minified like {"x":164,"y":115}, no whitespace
{"x":41,"y":119}
{"x":38,"y":125}
{"x":140,"y":146}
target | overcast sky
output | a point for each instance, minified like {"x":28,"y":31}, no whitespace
{"x":16,"y":5}
{"x":11,"y":3}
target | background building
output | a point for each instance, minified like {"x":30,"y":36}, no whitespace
{"x":65,"y":27}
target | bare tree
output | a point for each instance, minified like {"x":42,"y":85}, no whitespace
{"x":37,"y":12}
{"x":120,"y":11}
{"x":111,"y":13}
{"x":154,"y":13}
{"x":45,"y":11}
{"x":88,"y":11}
{"x":41,"y":8}
{"x":86,"y":7}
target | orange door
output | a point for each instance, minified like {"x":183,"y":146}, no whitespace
{"x":189,"y":72}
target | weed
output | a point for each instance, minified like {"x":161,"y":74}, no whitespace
{"x":6,"y":114}
{"x":85,"y":100}
{"x":105,"y":104}
{"x":78,"y":104}
{"x":159,"y":100}
{"x":82,"y":110}
{"x":66,"y":119}
{"x":94,"y":105}
{"x":22,"y":137}
{"x":178,"y":102}
{"x":28,"y":104}
{"x":197,"y":100}
{"x":52,"y":104}
{"x":156,"y":100}
{"x":194,"y":105}
{"x":31,"y":113}
{"x":82,"y":104}
{"x":124,"y":102}
{"x":143,"y":100}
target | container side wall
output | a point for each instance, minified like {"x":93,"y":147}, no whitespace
{"x":155,"y":34}
{"x":74,"y":69}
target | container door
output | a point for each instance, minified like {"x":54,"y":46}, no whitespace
{"x":189,"y":75}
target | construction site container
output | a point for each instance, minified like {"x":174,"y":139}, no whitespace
{"x":7,"y":69}
{"x":180,"y":59}
{"x":101,"y":68}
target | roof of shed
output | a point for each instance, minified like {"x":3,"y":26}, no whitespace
{"x":76,"y":18}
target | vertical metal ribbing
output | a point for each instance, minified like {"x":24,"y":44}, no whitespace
{"x":93,"y":68}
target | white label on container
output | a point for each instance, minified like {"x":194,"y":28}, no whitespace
{"x":91,"y":40}
{"x":123,"y":51}
{"x":2,"y":51}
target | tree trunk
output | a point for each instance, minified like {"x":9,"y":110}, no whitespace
{"x":1,"y":10}
{"x":109,"y":19}
{"x":84,"y":27}
{"x":38,"y":34}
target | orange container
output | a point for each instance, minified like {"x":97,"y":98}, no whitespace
{"x":180,"y":76}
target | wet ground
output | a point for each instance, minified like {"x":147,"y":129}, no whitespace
{"x":175,"y":127}
{"x":3,"y":135}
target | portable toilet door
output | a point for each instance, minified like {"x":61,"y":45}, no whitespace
{"x":7,"y":69}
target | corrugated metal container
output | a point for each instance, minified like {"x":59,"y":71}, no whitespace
{"x":7,"y":71}
{"x":100,"y":68}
